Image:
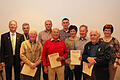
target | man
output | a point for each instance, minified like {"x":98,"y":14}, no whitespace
{"x":43,"y":36}
{"x":10,"y":51}
{"x":51,"y":46}
{"x":30,"y":54}
{"x":64,"y":32}
{"x":97,"y":53}
{"x":79,"y":45}
{"x":26,"y":28}
{"x":46,"y":34}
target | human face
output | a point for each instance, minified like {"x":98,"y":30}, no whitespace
{"x":94,"y":37}
{"x":32,"y":36}
{"x":73,"y":33}
{"x":55,"y":33}
{"x":48,"y":25}
{"x":13,"y":26}
{"x":65,"y":24}
{"x":83,"y":32}
{"x":26,"y":29}
{"x":107,"y":32}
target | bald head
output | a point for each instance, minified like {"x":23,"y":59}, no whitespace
{"x":55,"y":33}
{"x":94,"y":36}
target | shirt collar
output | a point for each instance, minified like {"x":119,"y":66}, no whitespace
{"x":54,"y":39}
{"x":50,"y":30}
{"x":82,"y":39}
{"x":33,"y":42}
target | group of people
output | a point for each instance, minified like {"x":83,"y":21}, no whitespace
{"x":18,"y":50}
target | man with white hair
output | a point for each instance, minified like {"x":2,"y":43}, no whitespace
{"x":97,"y":53}
{"x":30,"y":54}
{"x":52,"y":46}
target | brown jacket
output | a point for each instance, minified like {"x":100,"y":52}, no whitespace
{"x":31,"y":55}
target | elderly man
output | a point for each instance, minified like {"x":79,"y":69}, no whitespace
{"x":79,"y":45}
{"x":97,"y":53}
{"x":43,"y":36}
{"x":10,"y":51}
{"x":64,"y":32}
{"x":46,"y":34}
{"x":51,"y":46}
{"x":26,"y":28}
{"x":30,"y":54}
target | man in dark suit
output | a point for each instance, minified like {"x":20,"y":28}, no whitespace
{"x":10,"y":51}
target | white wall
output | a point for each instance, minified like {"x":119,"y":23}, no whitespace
{"x":94,"y":13}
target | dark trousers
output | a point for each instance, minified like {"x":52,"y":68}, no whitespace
{"x":78,"y":72}
{"x":45,"y":76}
{"x":68,"y":73}
{"x":8,"y":70}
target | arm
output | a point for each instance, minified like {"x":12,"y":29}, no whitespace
{"x":22,"y":54}
{"x":40,"y":53}
{"x":104,"y":55}
{"x":44,"y":54}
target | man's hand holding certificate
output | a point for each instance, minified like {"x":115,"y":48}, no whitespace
{"x":75,"y":57}
{"x":87,"y":68}
{"x":27,"y":70}
{"x":53,"y":60}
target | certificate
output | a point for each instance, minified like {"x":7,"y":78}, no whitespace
{"x":74,"y":56}
{"x":26,"y":70}
{"x":53,"y":60}
{"x":86,"y":69}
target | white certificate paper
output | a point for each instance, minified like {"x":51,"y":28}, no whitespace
{"x":53,"y":62}
{"x":74,"y":56}
{"x":86,"y":69}
{"x":26,"y":70}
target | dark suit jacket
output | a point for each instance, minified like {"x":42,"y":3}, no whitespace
{"x":7,"y":51}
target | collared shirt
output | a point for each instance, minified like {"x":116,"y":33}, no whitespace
{"x":51,"y":47}
{"x":26,"y":37}
{"x":54,"y":39}
{"x":64,"y":34}
{"x":32,"y":43}
{"x":80,"y":43}
{"x":43,"y":36}
{"x":13,"y":35}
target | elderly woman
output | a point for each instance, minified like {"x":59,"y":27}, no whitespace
{"x":114,"y":44}
{"x":97,"y":53}
{"x":70,"y":46}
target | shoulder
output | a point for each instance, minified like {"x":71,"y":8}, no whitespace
{"x":41,"y":32}
{"x":5,"y":34}
{"x":19,"y":34}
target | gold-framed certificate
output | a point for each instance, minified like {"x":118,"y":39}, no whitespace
{"x":26,"y":70}
{"x":86,"y":69}
{"x":53,"y":60}
{"x":74,"y":56}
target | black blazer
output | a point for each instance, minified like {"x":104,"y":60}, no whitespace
{"x":7,"y":51}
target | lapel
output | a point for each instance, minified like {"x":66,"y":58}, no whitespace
{"x":17,"y":40}
{"x":9,"y":40}
{"x":30,"y":48}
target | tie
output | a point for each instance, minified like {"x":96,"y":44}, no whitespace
{"x":13,"y":43}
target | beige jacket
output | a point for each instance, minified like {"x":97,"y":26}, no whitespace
{"x":31,"y":55}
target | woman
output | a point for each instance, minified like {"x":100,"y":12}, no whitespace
{"x":70,"y":46}
{"x":114,"y":43}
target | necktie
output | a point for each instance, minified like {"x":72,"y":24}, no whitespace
{"x":13,"y":43}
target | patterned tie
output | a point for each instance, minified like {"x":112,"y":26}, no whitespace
{"x":13,"y":43}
